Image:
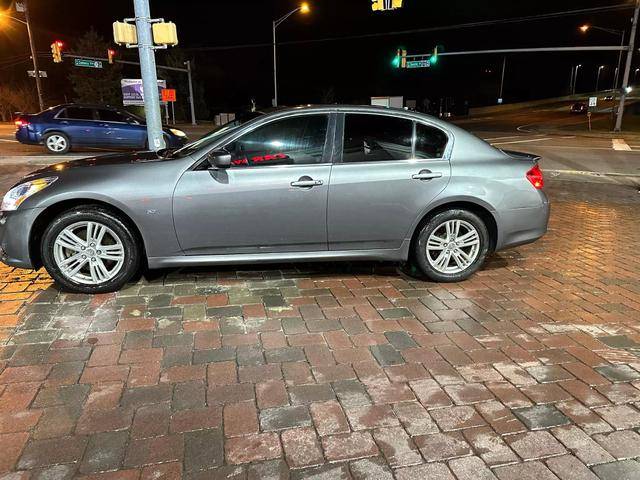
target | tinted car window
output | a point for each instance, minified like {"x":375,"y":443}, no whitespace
{"x":77,"y":113}
{"x":375,"y":138}
{"x":430,"y":142}
{"x":111,"y":116}
{"x":294,"y":141}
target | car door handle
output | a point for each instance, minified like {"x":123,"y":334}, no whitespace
{"x":427,"y":175}
{"x":307,"y":183}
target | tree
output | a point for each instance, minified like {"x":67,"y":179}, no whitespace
{"x":95,"y":85}
{"x":178,"y":80}
{"x":15,"y":98}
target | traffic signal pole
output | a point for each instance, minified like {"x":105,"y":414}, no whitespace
{"x":149,"y":75}
{"x":34,"y":56}
{"x":627,"y":70}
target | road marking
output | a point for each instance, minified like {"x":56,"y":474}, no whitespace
{"x":524,"y":141}
{"x":10,"y":141}
{"x":620,"y":144}
{"x":582,"y":148}
{"x":505,"y":138}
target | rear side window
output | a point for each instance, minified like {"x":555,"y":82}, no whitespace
{"x":111,"y":116}
{"x":430,"y":142}
{"x":293,"y":141}
{"x":76,"y":113}
{"x":376,"y":138}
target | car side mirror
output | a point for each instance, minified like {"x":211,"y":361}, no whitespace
{"x":219,"y":159}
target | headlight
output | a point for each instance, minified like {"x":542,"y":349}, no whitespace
{"x":177,"y":133}
{"x":14,"y":197}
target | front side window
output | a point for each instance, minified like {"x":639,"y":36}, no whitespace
{"x":111,"y":116}
{"x":77,"y":113}
{"x":430,"y":142}
{"x":376,"y":138}
{"x":298,"y":140}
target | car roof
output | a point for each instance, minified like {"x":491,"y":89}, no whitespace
{"x":86,"y":105}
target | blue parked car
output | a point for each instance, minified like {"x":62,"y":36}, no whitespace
{"x":68,"y":126}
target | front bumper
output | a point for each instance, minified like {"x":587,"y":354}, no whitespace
{"x":15,"y":232}
{"x":523,"y":225}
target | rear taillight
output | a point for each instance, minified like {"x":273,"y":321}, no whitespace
{"x":536,"y":177}
{"x":21,"y":123}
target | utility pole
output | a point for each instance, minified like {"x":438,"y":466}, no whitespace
{"x":191,"y":100}
{"x":504,"y":68}
{"x":275,"y":67}
{"x":34,"y":56}
{"x":149,"y":75}
{"x":627,"y":70}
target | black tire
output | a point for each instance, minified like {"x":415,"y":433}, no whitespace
{"x":436,"y":223}
{"x":51,"y":149}
{"x":98,"y":214}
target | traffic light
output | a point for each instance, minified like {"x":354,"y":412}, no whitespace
{"x":382,"y":5}
{"x":434,"y":58}
{"x":56,"y":51}
{"x":378,"y":5}
{"x":396,"y":4}
{"x":400,"y":60}
{"x":110,"y":54}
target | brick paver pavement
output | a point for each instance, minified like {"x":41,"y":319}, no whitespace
{"x":528,"y":371}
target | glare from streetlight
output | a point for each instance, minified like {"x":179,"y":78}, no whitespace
{"x":585,"y":28}
{"x":305,"y":8}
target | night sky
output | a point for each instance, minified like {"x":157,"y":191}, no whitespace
{"x":348,"y":70}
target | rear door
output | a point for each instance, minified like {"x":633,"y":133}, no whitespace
{"x":272,"y":199}
{"x":386,"y":174}
{"x":79,"y":124}
{"x":119,"y":130}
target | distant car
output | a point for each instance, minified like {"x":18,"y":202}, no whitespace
{"x":579,"y":108}
{"x":608,"y":98}
{"x":68,"y":126}
{"x":305,"y":184}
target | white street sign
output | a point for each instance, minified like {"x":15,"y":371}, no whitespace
{"x":593,"y":101}
{"x":32,"y":73}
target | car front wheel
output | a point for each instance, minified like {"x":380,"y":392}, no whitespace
{"x":57,"y":143}
{"x":90,"y":250}
{"x":452,"y":246}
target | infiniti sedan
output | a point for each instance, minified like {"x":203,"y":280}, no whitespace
{"x":61,"y":128}
{"x":304,"y":184}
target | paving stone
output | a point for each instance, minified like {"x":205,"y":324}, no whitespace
{"x":400,"y":340}
{"x":284,"y":417}
{"x":329,"y":418}
{"x":386,"y":355}
{"x":582,"y":445}
{"x":442,"y":446}
{"x":397,"y":447}
{"x":203,"y":449}
{"x":105,"y":451}
{"x":267,"y":470}
{"x":525,"y":471}
{"x":471,"y":468}
{"x":622,"y":445}
{"x":41,"y":453}
{"x":549,"y":373}
{"x":568,"y":467}
{"x":349,"y":446}
{"x":618,"y":341}
{"x":468,"y":393}
{"x":540,"y":417}
{"x":302,"y":448}
{"x":371,"y":416}
{"x":535,"y":445}
{"x":325,"y":472}
{"x":490,"y":446}
{"x":431,"y":471}
{"x":620,"y":417}
{"x":624,"y":470}
{"x":253,"y":448}
{"x":457,"y":418}
{"x":415,"y":418}
{"x":370,"y":468}
{"x":306,"y":394}
{"x":618,"y":373}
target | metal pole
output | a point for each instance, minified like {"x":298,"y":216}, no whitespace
{"x":34,"y":56}
{"x":173,"y":112}
{"x":627,"y":70}
{"x":504,"y":67}
{"x":275,"y":68}
{"x":191,"y":100}
{"x":617,"y":76}
{"x":598,"y":79}
{"x":571,"y":80}
{"x":149,"y":75}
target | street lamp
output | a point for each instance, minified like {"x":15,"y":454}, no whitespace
{"x":303,"y":8}
{"x":635,"y":74}
{"x":622,"y":33}
{"x":575,"y":78}
{"x":600,"y":68}
{"x":36,"y":70}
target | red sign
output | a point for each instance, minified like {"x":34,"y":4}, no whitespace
{"x":168,"y":95}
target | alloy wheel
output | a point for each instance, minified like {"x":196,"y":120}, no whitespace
{"x":89,"y":253}
{"x":56,"y":143}
{"x":453,"y":246}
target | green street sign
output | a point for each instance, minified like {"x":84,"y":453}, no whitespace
{"x":85,"y":62}
{"x":419,"y":64}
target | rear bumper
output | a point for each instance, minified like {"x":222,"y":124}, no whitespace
{"x":15,"y":231}
{"x":523,"y":225}
{"x":28,"y":136}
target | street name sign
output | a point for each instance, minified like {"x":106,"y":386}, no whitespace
{"x":32,"y":73}
{"x":418,"y":64}
{"x":85,"y":62}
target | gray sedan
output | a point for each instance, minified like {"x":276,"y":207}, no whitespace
{"x":303,"y":184}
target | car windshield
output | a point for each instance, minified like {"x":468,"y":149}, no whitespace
{"x":214,"y":135}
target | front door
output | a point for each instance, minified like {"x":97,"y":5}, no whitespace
{"x":80,"y":125}
{"x":272,"y":199}
{"x":119,"y":130}
{"x":389,"y":172}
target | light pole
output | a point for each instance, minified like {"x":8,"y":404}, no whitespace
{"x":303,"y":8}
{"x":32,"y":46}
{"x":622,"y":33}
{"x":600,"y":68}
{"x":627,"y":70}
{"x":575,"y":79}
{"x":635,"y":74}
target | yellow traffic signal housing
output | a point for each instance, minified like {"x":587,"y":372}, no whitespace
{"x":125,"y":33}
{"x":378,"y":5}
{"x":396,"y":4}
{"x":165,"y":33}
{"x":110,"y":54}
{"x":56,"y":51}
{"x":403,"y":61}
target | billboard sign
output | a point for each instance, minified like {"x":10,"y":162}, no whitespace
{"x":133,"y":92}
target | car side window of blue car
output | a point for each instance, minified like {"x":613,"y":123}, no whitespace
{"x":294,"y":141}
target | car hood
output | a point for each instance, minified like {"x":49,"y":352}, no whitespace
{"x":102,"y":160}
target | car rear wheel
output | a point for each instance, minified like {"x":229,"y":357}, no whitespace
{"x":90,"y":250}
{"x":57,"y":143}
{"x":452,"y":246}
